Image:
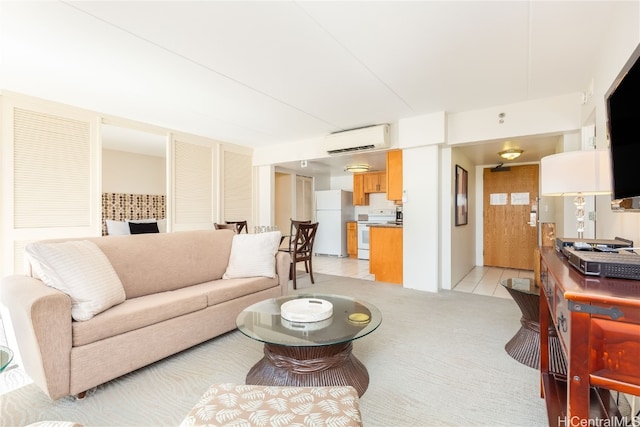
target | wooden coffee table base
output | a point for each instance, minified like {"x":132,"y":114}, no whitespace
{"x":310,"y":367}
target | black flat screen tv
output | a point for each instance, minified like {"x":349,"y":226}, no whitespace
{"x":623,"y":125}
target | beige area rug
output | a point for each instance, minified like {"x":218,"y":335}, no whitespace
{"x":436,"y":360}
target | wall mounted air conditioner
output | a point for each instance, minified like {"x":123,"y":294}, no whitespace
{"x":362,"y":139}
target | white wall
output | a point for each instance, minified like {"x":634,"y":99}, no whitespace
{"x":421,"y":222}
{"x":132,"y":173}
{"x":622,"y":39}
{"x":535,"y":117}
{"x":420,"y":138}
{"x":463,"y":237}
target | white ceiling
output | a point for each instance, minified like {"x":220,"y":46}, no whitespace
{"x":260,"y":73}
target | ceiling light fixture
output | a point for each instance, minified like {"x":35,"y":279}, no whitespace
{"x":361,"y":167}
{"x":511,"y":153}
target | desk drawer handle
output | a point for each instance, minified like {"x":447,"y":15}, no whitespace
{"x":562,"y":322}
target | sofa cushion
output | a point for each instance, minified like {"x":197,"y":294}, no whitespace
{"x":137,"y":313}
{"x":253,"y":255}
{"x":158,"y":262}
{"x":220,"y":291}
{"x":81,"y":270}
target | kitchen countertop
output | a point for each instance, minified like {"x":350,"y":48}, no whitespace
{"x":386,"y":225}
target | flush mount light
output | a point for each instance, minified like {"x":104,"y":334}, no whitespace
{"x":511,"y":153}
{"x":362,"y":167}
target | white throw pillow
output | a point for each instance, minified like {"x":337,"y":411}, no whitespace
{"x":253,"y":255}
{"x":117,"y":228}
{"x":81,"y":270}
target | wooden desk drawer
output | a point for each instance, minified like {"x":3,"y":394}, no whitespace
{"x":562,"y":319}
{"x":615,"y":355}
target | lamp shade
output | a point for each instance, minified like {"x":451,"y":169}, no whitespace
{"x":574,"y":172}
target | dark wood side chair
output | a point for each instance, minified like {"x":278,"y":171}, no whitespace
{"x":303,"y":249}
{"x":293,"y":229}
{"x":240,"y":225}
{"x":225,"y":227}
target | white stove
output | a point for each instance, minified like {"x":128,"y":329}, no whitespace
{"x":374,"y":216}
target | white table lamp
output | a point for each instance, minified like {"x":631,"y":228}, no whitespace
{"x":576,"y":173}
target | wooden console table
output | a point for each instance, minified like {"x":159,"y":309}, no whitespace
{"x":598,"y":323}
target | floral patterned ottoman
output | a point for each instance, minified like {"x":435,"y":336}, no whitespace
{"x":255,"y":405}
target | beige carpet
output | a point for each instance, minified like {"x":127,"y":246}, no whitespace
{"x":436,"y":360}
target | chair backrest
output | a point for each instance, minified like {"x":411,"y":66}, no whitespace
{"x":293,"y":230}
{"x":240,"y":225}
{"x":225,"y":227}
{"x":303,"y":242}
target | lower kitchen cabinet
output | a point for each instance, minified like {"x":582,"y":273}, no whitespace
{"x":352,"y":239}
{"x":385,"y":253}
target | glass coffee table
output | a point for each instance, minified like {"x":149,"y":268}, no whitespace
{"x":309,"y":353}
{"x":6,"y":356}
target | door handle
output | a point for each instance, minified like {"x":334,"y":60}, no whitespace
{"x":532,"y":219}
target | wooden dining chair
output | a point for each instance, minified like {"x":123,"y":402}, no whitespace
{"x":303,"y":249}
{"x":240,"y":225}
{"x":226,"y":227}
{"x":293,"y":229}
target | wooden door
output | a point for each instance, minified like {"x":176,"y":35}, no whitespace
{"x":509,"y":198}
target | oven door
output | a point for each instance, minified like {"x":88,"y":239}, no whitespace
{"x":363,"y":240}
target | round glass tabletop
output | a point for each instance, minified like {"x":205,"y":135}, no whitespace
{"x":351,"y":319}
{"x":526,"y":286}
{"x":6,"y":356}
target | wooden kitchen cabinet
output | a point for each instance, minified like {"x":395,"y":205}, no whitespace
{"x":352,"y":239}
{"x":394,"y":175}
{"x":385,"y":253}
{"x":375,"y":182}
{"x":598,"y":324}
{"x":360,"y":198}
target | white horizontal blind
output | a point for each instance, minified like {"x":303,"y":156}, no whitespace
{"x":51,"y":171}
{"x":237,"y":187}
{"x":193,"y":184}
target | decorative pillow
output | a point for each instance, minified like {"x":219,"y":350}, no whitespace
{"x":253,"y":255}
{"x":162,"y":223}
{"x":81,"y":270}
{"x":117,"y":228}
{"x":143,"y":227}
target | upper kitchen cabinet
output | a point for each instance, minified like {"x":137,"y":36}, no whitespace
{"x":360,"y":198}
{"x":375,"y":182}
{"x":394,"y":175}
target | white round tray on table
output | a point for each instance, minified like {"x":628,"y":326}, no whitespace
{"x":306,"y":310}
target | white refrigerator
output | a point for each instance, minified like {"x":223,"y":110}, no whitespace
{"x":333,"y":209}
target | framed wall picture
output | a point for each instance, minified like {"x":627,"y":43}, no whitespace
{"x":462,"y":193}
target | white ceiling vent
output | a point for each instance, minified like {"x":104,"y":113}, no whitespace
{"x":362,"y":139}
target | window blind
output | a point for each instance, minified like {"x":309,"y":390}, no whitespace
{"x":193,"y":183}
{"x":51,"y":171}
{"x":237,"y":187}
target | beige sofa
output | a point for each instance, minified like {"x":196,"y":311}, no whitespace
{"x":175,"y":298}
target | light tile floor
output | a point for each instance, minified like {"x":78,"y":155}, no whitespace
{"x":345,"y":267}
{"x":486,"y":281}
{"x":480,"y":280}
